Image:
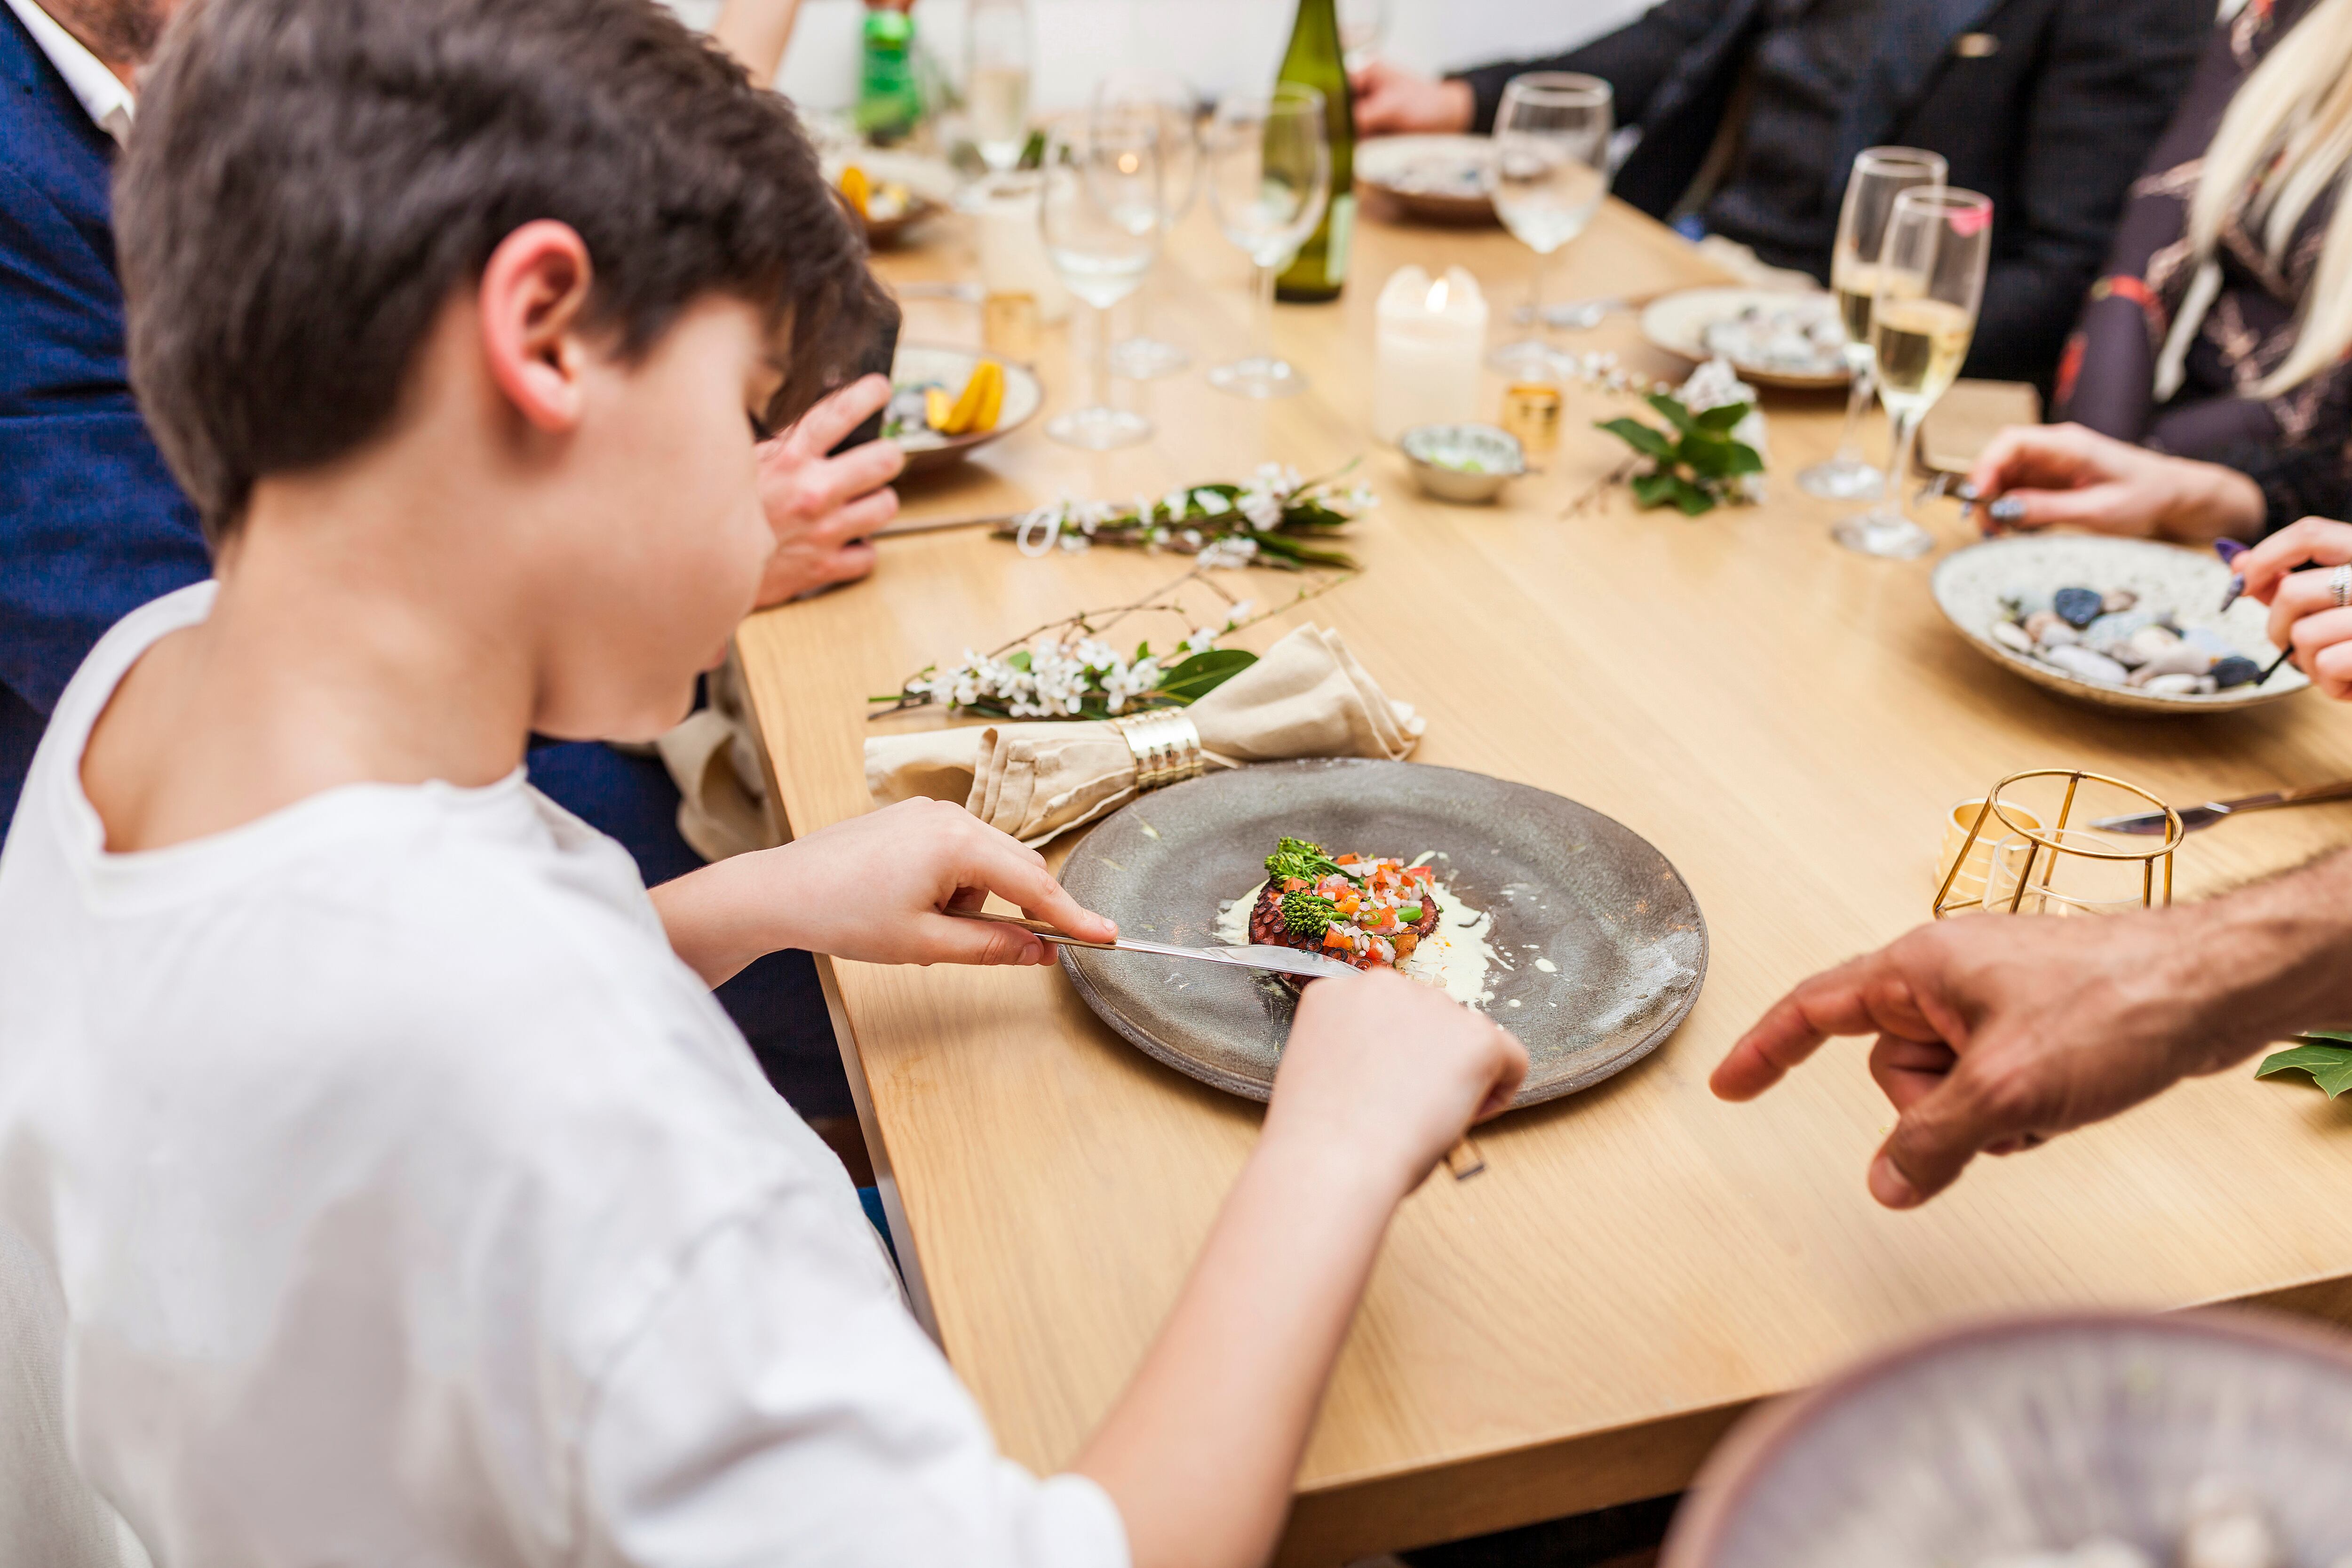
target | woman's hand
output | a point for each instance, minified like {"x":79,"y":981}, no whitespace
{"x":877,"y":888}
{"x":1384,"y":1073}
{"x":1390,"y":99}
{"x":2049,"y":475}
{"x":2304,"y":614}
{"x":822,"y":508}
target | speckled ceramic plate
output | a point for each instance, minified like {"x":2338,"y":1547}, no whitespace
{"x":2001,"y":1442}
{"x":1970,"y":583}
{"x":1678,"y":323}
{"x":1436,"y":179}
{"x":1622,"y":938}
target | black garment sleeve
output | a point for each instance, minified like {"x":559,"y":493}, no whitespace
{"x":2112,"y":73}
{"x":2296,"y":482}
{"x":1633,"y":60}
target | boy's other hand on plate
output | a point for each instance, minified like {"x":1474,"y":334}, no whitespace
{"x":1385,"y":1073}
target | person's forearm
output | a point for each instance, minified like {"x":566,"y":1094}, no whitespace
{"x":757,"y":33}
{"x":1200,"y":1450}
{"x":2270,"y":959}
{"x":726,"y":915}
{"x":2211,"y":503}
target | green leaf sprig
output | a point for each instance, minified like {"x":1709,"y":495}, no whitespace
{"x":1695,"y":463}
{"x":2324,"y":1054}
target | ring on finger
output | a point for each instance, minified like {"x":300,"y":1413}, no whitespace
{"x":2339,"y":587}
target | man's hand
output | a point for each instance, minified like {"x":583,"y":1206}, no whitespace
{"x":1384,"y":1073}
{"x":2065,"y":474}
{"x":1996,"y":1032}
{"x":2303,"y":613}
{"x":1390,"y":99}
{"x":822,"y":507}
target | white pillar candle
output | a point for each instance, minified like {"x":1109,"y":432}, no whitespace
{"x":1013,"y":257}
{"x":1433,"y":336}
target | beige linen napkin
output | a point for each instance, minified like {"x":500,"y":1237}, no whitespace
{"x":1307,"y":697}
{"x":714,"y":759}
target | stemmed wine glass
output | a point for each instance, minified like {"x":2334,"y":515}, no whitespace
{"x":1362,"y":24}
{"x":1268,"y":168}
{"x":1928,"y":286}
{"x":1162,"y":99}
{"x":1880,"y":175}
{"x":997,"y":81}
{"x":1098,"y":211}
{"x":1547,"y":173}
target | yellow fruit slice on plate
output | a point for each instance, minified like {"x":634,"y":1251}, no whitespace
{"x":857,"y":188}
{"x":936,"y":408}
{"x":987,"y":381}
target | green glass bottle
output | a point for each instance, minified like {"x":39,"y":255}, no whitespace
{"x":888,"y":103}
{"x":1314,"y":60}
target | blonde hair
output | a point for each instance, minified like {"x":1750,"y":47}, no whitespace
{"x":2288,"y":131}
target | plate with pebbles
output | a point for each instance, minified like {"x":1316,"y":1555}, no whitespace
{"x":2122,"y":623}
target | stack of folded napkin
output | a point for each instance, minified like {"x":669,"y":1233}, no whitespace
{"x":1307,"y":697}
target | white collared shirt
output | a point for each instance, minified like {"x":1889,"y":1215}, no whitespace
{"x":102,"y":94}
{"x":411,"y":1203}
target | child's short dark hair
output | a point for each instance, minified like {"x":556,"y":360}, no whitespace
{"x":309,"y":180}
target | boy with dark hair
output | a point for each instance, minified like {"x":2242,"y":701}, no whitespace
{"x":410,"y":1199}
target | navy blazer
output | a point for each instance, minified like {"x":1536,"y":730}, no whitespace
{"x":92,"y":524}
{"x":2050,"y":111}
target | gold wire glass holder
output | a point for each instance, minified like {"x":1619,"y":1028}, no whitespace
{"x":2051,"y":840}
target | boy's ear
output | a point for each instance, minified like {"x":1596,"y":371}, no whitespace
{"x":532,"y":298}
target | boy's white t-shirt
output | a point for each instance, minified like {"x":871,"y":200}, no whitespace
{"x":414,"y":1204}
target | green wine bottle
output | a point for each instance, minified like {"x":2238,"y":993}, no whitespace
{"x":1314,"y":60}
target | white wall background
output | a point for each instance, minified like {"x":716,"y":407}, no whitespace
{"x":1218,"y":45}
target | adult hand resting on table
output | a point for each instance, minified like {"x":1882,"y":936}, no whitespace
{"x":1390,"y":99}
{"x":2306,"y":613}
{"x":2065,"y":474}
{"x":1997,"y":1032}
{"x":822,"y":508}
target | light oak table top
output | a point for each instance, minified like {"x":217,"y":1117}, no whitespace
{"x":1787,"y":721}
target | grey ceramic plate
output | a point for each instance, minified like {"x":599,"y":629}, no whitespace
{"x":1565,"y":884}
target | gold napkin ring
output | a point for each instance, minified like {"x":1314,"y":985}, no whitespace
{"x":1166,"y":747}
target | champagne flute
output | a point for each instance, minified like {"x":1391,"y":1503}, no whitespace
{"x":1362,"y":24}
{"x":1268,"y":168}
{"x":1925,"y":297}
{"x":1172,"y":106}
{"x":1098,"y":197}
{"x":1880,"y":175}
{"x":1546,"y":174}
{"x":997,"y":81}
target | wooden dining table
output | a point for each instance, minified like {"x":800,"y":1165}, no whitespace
{"x":1788,"y":722}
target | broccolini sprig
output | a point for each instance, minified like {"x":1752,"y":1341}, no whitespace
{"x":1308,"y":914}
{"x":1306,"y":861}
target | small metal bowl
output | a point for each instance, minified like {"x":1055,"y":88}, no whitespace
{"x":1463,"y":462}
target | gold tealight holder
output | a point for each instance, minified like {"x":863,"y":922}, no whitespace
{"x":2010,"y":862}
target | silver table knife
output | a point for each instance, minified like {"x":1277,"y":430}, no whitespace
{"x":2193,"y":817}
{"x":1281,"y":960}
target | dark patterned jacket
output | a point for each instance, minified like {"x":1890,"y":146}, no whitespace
{"x":2297,"y":445}
{"x":2046,"y":106}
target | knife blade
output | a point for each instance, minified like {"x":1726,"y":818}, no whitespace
{"x":2193,"y":817}
{"x":1282,"y":960}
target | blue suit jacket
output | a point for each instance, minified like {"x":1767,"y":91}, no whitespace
{"x":91,"y":523}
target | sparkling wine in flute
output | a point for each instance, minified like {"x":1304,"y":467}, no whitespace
{"x":1919,"y":344}
{"x":1000,"y":113}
